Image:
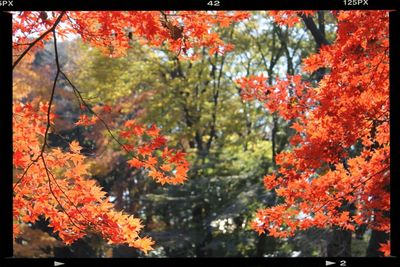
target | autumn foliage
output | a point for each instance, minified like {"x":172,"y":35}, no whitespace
{"x":112,"y":31}
{"x":150,"y":152}
{"x":337,"y":172}
{"x":55,"y":183}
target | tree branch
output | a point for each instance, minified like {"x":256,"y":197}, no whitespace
{"x":31,"y":45}
{"x":316,"y":33}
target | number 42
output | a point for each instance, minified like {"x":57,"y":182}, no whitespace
{"x":213,"y":3}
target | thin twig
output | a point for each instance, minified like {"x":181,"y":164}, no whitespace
{"x":352,"y":191}
{"x":81,"y":100}
{"x":31,"y":45}
{"x":23,"y":175}
{"x":67,"y":197}
{"x":48,"y":111}
{"x":55,"y":197}
{"x":52,"y":93}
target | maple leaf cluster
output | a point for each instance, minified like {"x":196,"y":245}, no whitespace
{"x":289,"y":18}
{"x":54,"y":184}
{"x":321,"y":183}
{"x":290,"y":97}
{"x":385,"y":248}
{"x":112,"y":31}
{"x":150,"y":152}
{"x":86,"y":120}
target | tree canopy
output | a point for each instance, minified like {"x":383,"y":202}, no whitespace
{"x":259,"y":131}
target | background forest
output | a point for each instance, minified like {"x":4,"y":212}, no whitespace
{"x":230,"y":143}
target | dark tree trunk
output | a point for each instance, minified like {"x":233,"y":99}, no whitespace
{"x":319,"y":36}
{"x":203,"y":229}
{"x":273,"y":140}
{"x":317,"y":33}
{"x":265,"y":245}
{"x":340,"y":244}
{"x":373,"y":246}
{"x":360,"y":231}
{"x":260,"y":246}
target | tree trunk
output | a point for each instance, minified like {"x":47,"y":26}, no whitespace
{"x":260,"y":246}
{"x":203,"y":229}
{"x":273,"y":140}
{"x":340,"y":244}
{"x":373,"y":246}
{"x":317,"y":33}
